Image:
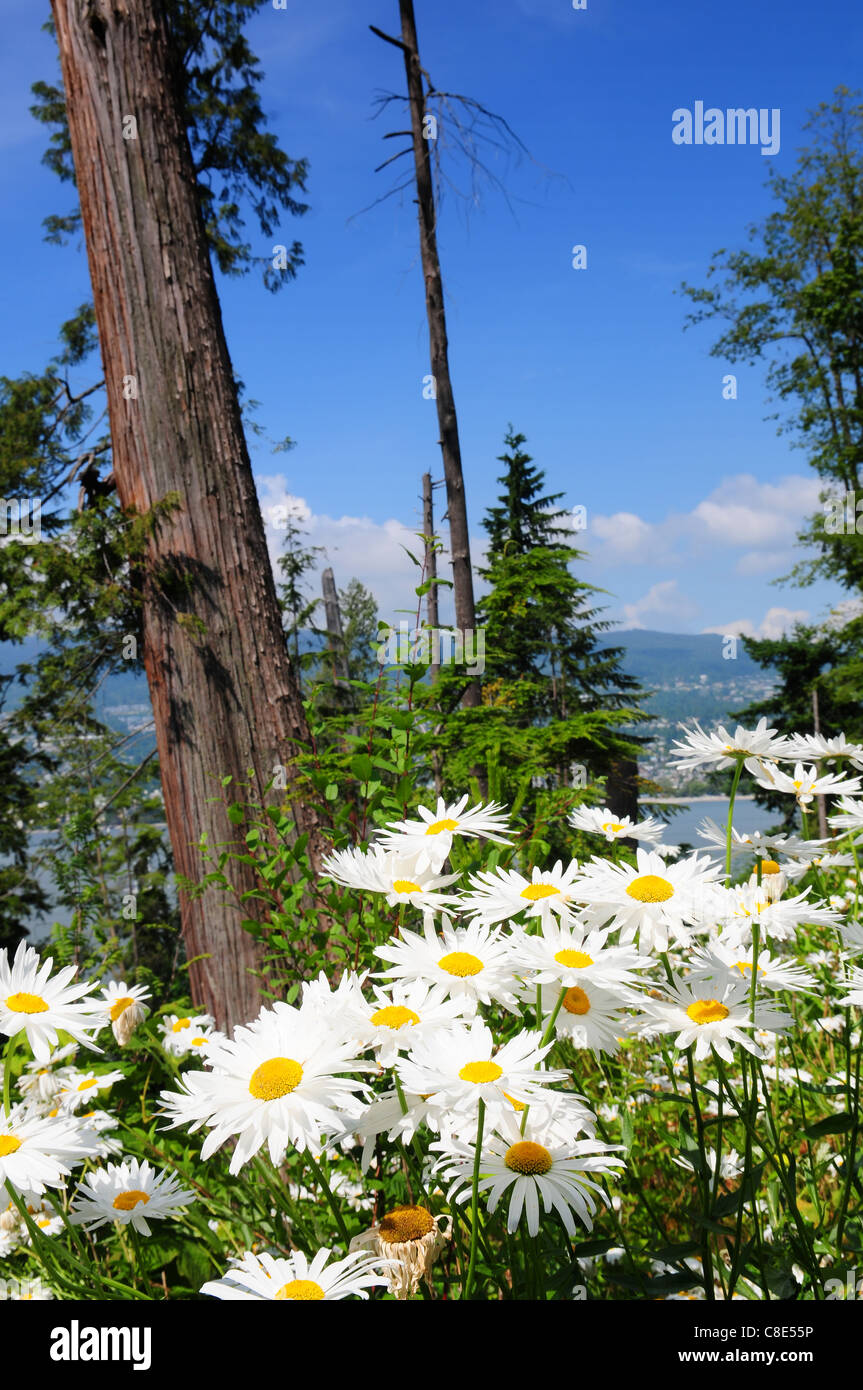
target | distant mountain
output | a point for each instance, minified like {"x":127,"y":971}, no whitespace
{"x":662,"y":658}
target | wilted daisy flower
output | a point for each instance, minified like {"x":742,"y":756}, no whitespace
{"x":33,"y":1001}
{"x":472,"y":963}
{"x":600,"y":821}
{"x":430,"y":838}
{"x":722,"y":749}
{"x":395,"y":875}
{"x":275,"y":1082}
{"x":37,"y":1153}
{"x":126,"y":1008}
{"x":129,"y":1193}
{"x":709,"y":1014}
{"x":537,"y":1169}
{"x":570,"y":955}
{"x":653,"y":900}
{"x":178,"y":1030}
{"x":721,"y":962}
{"x":804,"y":784}
{"x":81,"y":1088}
{"x":298,"y":1280}
{"x":589,"y":1016}
{"x":412,"y":1239}
{"x":505,"y":893}
{"x":459,"y":1067}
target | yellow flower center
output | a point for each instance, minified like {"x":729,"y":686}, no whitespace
{"x":88,"y":1085}
{"x":517,"y":1105}
{"x":303,"y":1290}
{"x":650,"y":888}
{"x":573,"y":960}
{"x":27,"y":1004}
{"x":575,"y":1001}
{"x":527,"y":1158}
{"x":405,"y":1223}
{"x":404,"y":885}
{"x":181,"y":1024}
{"x":744,"y":965}
{"x":8,"y":1145}
{"x":707,"y":1011}
{"x":277,"y":1077}
{"x":797,"y":786}
{"x":769,"y":866}
{"x":437,"y":826}
{"x":534,"y":891}
{"x":612,"y":825}
{"x":120,"y":1006}
{"x":198,"y":1042}
{"x":128,"y":1201}
{"x":394,"y":1016}
{"x":479,"y":1072}
{"x":461,"y":963}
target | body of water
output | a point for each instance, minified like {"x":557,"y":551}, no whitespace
{"x":683,"y":827}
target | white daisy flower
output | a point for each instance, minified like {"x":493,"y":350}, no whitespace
{"x":126,"y":1006}
{"x":385,"y":1116}
{"x":738,"y":908}
{"x":96,"y":1124}
{"x":505,"y":893}
{"x":178,"y":1030}
{"x":81,"y":1088}
{"x":653,"y":900}
{"x":602,"y":821}
{"x":757,"y":844}
{"x":847,"y":815}
{"x":473,"y":964}
{"x":40,"y":1082}
{"x":589,"y":1016}
{"x":855,"y":994}
{"x":701,"y":1012}
{"x":722,"y":749}
{"x":810,"y":748}
{"x":129,"y":1193}
{"x":33,"y":1001}
{"x":38,"y":1153}
{"x":430,"y":839}
{"x":796,"y":868}
{"x":45,"y":1217}
{"x":276,"y":1082}
{"x":805,"y":783}
{"x":396,"y":876}
{"x":404,"y":1012}
{"x":535,"y":1168}
{"x":458,"y":1068}
{"x":570,"y":955}
{"x":721,"y":962}
{"x":297,"y":1280}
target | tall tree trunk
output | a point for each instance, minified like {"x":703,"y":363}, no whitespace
{"x":224,"y":695}
{"x":465,"y":613}
{"x":334,"y":628}
{"x":430,"y":572}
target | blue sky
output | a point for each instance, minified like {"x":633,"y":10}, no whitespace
{"x":693,"y":502}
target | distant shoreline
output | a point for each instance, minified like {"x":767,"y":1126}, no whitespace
{"x":687,"y":800}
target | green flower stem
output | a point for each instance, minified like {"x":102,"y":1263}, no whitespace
{"x":474,"y":1201}
{"x":747,"y":1168}
{"x":849,"y":1161}
{"x":333,"y":1205}
{"x":704,"y":1182}
{"x":737,"y":771}
{"x":7,"y":1075}
{"x":53,"y":1255}
{"x":549,"y":1027}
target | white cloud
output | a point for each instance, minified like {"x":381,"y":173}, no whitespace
{"x":741,"y":513}
{"x":661,"y":602}
{"x":775,"y":623}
